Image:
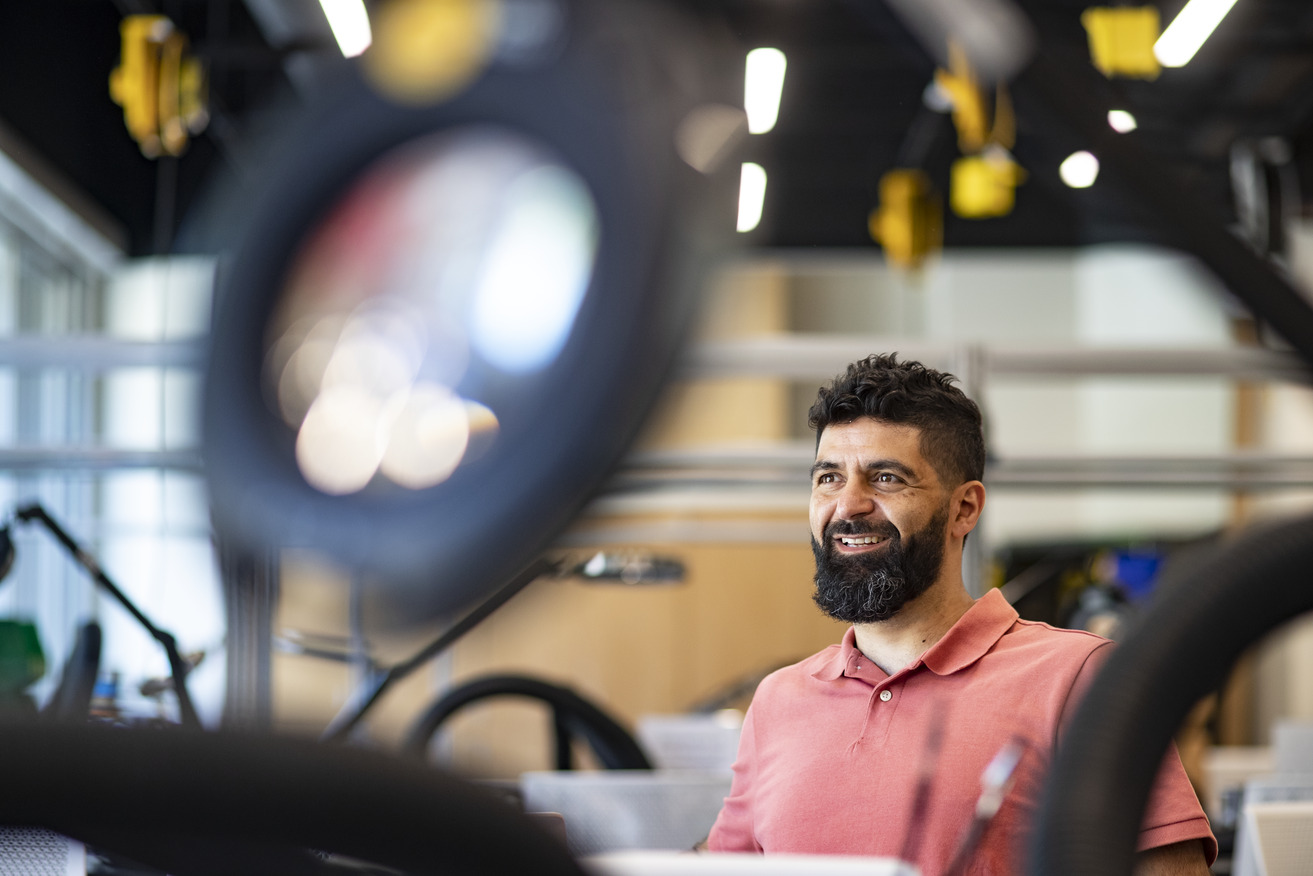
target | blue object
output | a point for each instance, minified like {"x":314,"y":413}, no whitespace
{"x":1137,"y":571}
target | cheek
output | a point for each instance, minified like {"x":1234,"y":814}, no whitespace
{"x":818,"y":514}
{"x":907,"y":522}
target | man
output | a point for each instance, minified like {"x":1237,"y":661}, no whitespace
{"x":878,"y":745}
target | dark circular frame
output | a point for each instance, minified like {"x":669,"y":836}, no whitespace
{"x":606,"y":104}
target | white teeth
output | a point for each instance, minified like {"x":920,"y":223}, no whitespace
{"x":869,"y":539}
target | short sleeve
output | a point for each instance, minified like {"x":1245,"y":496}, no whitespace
{"x":1173,"y":813}
{"x":733,"y":830}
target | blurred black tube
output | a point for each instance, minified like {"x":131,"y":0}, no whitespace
{"x":1207,"y":613}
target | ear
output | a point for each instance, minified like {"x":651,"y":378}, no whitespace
{"x":968,"y":502}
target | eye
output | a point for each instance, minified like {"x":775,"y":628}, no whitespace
{"x":827,"y":478}
{"x":885,"y":477}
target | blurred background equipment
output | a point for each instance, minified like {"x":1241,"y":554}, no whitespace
{"x":573,"y":718}
{"x":1274,"y":808}
{"x":908,"y":223}
{"x":178,"y":666}
{"x":22,"y":662}
{"x":629,"y":568}
{"x":34,"y":850}
{"x":610,"y":811}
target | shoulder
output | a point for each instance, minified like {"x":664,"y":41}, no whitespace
{"x":1028,"y":635}
{"x":1043,"y":657}
{"x":788,"y":678}
{"x":1039,"y":671}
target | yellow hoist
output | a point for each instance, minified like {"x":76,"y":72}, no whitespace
{"x":161,"y":88}
{"x":982,"y":183}
{"x":1121,"y":40}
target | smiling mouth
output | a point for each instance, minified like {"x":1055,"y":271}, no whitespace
{"x":861,"y":540}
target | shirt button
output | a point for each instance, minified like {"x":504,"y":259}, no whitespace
{"x":885,"y":696}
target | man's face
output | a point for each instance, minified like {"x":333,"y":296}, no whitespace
{"x":879,"y":520}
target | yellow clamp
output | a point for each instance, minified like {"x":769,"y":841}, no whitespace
{"x":909,"y":222}
{"x":161,"y":89}
{"x":1121,"y":40}
{"x":984,"y":186}
{"x":977,"y":126}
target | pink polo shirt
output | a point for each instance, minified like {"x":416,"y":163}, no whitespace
{"x":832,"y":748}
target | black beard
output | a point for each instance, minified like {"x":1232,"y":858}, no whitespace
{"x":873,"y":587}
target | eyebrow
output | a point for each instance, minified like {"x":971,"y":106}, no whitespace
{"x":892,"y":465}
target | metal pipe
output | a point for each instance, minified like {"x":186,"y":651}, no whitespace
{"x":96,"y":459}
{"x":98,"y":353}
{"x":821,"y":356}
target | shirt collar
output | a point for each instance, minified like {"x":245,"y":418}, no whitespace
{"x":837,"y":659}
{"x":967,"y":641}
{"x":972,"y":636}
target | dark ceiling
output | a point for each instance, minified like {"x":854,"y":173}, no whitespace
{"x":852,"y":109}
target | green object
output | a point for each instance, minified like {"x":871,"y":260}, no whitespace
{"x":22,"y":661}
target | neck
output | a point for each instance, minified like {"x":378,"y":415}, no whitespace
{"x":894,"y":643}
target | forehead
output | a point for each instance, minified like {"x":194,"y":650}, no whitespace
{"x":867,"y":439}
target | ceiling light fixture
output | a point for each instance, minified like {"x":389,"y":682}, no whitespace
{"x":1121,"y":121}
{"x":1079,"y":170}
{"x":752,"y":195}
{"x":350,"y":25}
{"x":763,"y":83}
{"x":1188,"y":31}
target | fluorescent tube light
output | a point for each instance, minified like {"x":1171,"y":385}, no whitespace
{"x":350,"y":24}
{"x":1188,"y":31}
{"x":1079,"y":170}
{"x":752,"y":195}
{"x":763,"y":82}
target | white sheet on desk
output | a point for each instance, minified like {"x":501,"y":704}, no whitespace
{"x":649,"y":863}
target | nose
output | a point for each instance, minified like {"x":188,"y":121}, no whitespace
{"x":855,"y":500}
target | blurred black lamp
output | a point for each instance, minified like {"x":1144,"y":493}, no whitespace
{"x":629,"y":568}
{"x":458,"y":289}
{"x":178,"y":667}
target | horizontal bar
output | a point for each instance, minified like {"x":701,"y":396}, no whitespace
{"x":798,"y":455}
{"x":96,"y":459}
{"x":98,"y":353}
{"x":822,"y":356}
{"x":746,"y":472}
{"x":783,"y":454}
{"x":797,"y":356}
{"x":681,"y":532}
{"x":1240,"y":363}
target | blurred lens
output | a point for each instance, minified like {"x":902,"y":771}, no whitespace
{"x":535,"y":272}
{"x":460,"y":255}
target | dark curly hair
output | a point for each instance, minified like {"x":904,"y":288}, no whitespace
{"x":909,"y":394}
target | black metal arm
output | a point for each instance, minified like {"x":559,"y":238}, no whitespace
{"x":373,"y":688}
{"x":177,"y":666}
